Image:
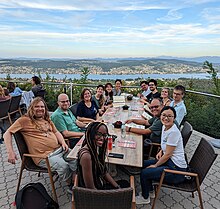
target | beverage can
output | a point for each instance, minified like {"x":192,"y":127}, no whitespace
{"x":110,"y":143}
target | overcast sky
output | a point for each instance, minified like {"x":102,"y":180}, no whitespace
{"x":115,"y":28}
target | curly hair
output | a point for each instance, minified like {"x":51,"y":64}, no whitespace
{"x":30,"y":111}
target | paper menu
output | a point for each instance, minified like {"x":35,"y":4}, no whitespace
{"x":134,"y":125}
{"x":127,"y":143}
{"x":146,"y":115}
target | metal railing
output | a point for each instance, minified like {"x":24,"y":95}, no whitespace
{"x":203,"y":109}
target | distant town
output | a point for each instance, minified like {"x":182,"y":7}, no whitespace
{"x":101,"y":66}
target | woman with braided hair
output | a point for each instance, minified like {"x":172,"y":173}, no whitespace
{"x":92,"y":169}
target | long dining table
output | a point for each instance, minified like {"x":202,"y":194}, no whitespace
{"x":128,"y":145}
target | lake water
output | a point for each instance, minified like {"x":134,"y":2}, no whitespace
{"x":113,"y":77}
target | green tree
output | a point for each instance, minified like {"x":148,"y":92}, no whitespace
{"x":84,"y":74}
{"x":8,"y":76}
{"x":213,"y":72}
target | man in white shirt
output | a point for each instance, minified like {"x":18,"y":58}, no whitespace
{"x":178,"y":103}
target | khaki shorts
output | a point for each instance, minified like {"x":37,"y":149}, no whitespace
{"x":57,"y":163}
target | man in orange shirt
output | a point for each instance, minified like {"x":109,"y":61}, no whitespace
{"x":42,"y":138}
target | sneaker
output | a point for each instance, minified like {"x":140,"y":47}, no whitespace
{"x":141,"y":201}
{"x":152,"y":194}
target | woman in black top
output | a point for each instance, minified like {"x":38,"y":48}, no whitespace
{"x":92,"y":169}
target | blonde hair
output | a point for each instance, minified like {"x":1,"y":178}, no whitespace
{"x":2,"y":92}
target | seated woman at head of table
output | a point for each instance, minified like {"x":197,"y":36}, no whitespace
{"x":87,"y":110}
{"x":171,"y":156}
{"x":92,"y":169}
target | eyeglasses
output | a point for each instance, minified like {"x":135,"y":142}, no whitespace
{"x":99,"y":135}
{"x":177,"y":94}
{"x":167,"y":116}
{"x":151,"y":85}
{"x":64,"y":101}
{"x":152,"y":107}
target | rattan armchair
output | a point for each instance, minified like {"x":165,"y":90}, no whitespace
{"x":84,"y":198}
{"x":186,"y":132}
{"x":200,"y":163}
{"x":14,"y":107}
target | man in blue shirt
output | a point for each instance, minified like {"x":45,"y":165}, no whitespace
{"x":65,"y":121}
{"x":178,"y":103}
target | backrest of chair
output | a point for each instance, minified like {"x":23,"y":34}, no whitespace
{"x":4,"y":107}
{"x":73,"y":108}
{"x":15,"y":103}
{"x":22,"y":148}
{"x":202,"y":159}
{"x":186,"y":132}
{"x":100,"y":199}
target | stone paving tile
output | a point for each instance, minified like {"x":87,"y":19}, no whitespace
{"x":167,"y":198}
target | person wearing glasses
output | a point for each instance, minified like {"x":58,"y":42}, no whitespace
{"x":154,"y":125}
{"x":92,"y":169}
{"x":178,"y":103}
{"x":65,"y":121}
{"x":171,"y":156}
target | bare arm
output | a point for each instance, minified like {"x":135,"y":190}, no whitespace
{"x":139,"y":121}
{"x":86,"y":163}
{"x":80,"y":124}
{"x":167,"y":155}
{"x":111,"y":180}
{"x":8,"y":142}
{"x":138,"y":130}
{"x":69,"y":134}
{"x":85,"y":120}
{"x":61,"y":140}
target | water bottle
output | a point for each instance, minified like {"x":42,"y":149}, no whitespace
{"x":123,"y":132}
{"x":110,"y":141}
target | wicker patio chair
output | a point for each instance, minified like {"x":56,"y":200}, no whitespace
{"x":4,"y":107}
{"x":186,"y":132}
{"x":108,"y":199}
{"x":29,"y":165}
{"x":14,"y":107}
{"x":200,"y":163}
{"x":73,"y":109}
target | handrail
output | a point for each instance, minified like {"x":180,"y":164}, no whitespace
{"x":92,"y":85}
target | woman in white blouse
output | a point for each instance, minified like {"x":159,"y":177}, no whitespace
{"x":171,"y":156}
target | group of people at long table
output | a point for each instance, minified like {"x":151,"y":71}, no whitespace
{"x":93,"y":173}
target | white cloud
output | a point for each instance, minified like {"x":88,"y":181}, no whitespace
{"x":159,"y":34}
{"x":211,"y":14}
{"x":171,"y":15}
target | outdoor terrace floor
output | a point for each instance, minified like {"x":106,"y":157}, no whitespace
{"x":167,"y":198}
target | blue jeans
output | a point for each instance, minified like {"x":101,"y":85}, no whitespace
{"x":150,"y":174}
